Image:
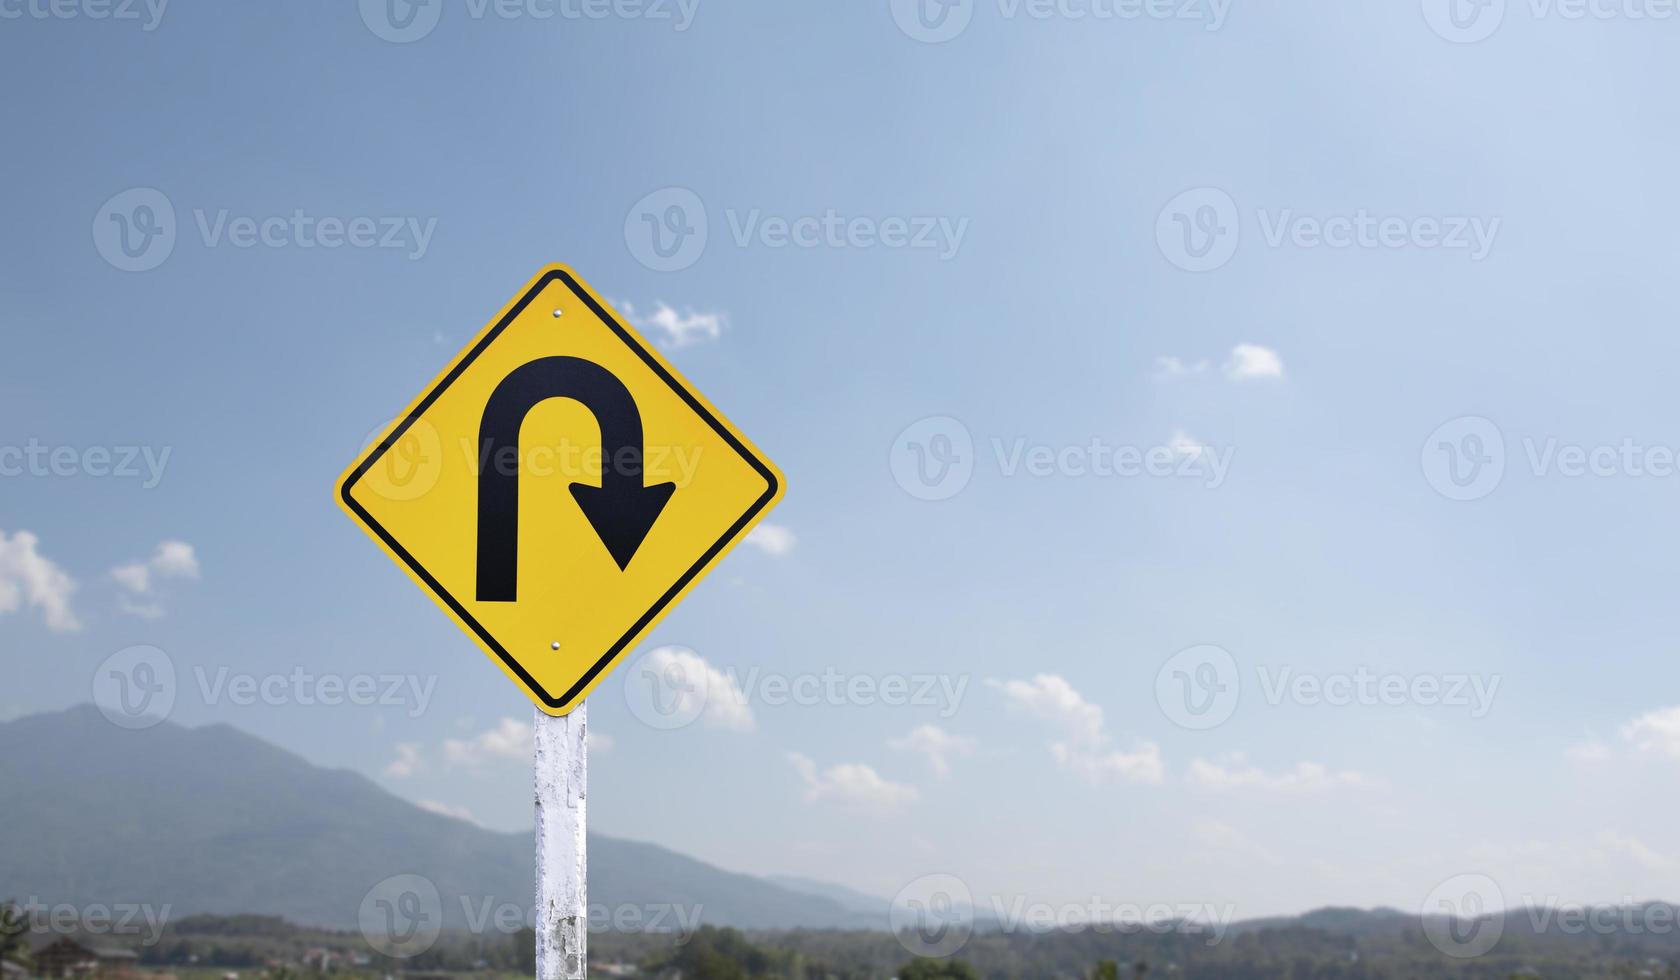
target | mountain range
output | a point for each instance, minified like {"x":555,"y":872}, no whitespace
{"x":215,"y":820}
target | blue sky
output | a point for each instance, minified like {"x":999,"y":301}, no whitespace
{"x":1406,"y":242}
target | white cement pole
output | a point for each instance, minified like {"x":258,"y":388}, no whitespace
{"x":562,"y":775}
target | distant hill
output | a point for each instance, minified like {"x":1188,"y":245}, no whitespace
{"x":850,"y":899}
{"x":215,"y":820}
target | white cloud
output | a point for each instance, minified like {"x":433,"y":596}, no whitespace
{"x":1234,"y":773}
{"x":1632,"y":848}
{"x":1186,"y":445}
{"x":850,"y":784}
{"x":445,"y":810}
{"x":172,"y":560}
{"x":407,"y":763}
{"x":27,"y":575}
{"x":1143,"y":764}
{"x":684,"y":676}
{"x":509,"y":741}
{"x":1250,"y":361}
{"x":599,"y":742}
{"x":1656,"y":731}
{"x":1246,"y":362}
{"x":677,"y":329}
{"x":1085,"y":749}
{"x":774,"y":540}
{"x":1226,"y":839}
{"x":935,"y":745}
{"x":1172,"y":368}
{"x":1589,"y":752}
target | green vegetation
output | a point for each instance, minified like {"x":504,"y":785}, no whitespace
{"x":1359,"y":946}
{"x":14,"y":946}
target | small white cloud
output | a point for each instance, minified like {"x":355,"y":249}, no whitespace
{"x":445,"y":810}
{"x":599,"y":742}
{"x":1632,"y":848}
{"x":27,"y":575}
{"x":1234,"y":773}
{"x":1590,"y":752}
{"x":1656,"y":731}
{"x":774,"y":540}
{"x":175,"y":559}
{"x":145,"y":610}
{"x":136,"y":578}
{"x":677,"y":329}
{"x":1250,"y":361}
{"x":935,"y":745}
{"x":172,"y":560}
{"x":408,"y":761}
{"x":1228,"y":840}
{"x":1086,"y":749}
{"x":851,"y":784}
{"x":1142,"y":764}
{"x":509,"y":741}
{"x":1172,"y":368}
{"x":684,"y":677}
{"x":1186,"y":445}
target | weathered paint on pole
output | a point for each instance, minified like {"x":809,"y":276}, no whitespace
{"x":562,"y":774}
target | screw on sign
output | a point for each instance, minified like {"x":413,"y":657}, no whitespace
{"x":555,"y":561}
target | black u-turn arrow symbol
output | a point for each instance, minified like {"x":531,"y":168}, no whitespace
{"x":621,"y":510}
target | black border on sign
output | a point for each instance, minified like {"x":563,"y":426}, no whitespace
{"x":437,"y":588}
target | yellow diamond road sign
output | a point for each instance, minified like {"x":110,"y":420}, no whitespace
{"x":558,"y":488}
